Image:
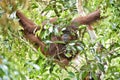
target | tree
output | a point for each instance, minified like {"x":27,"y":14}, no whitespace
{"x":98,"y":58}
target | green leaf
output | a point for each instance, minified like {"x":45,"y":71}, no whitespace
{"x":85,"y":67}
{"x":59,"y":42}
{"x":71,"y":74}
{"x":56,"y":76}
{"x":84,"y":74}
{"x":94,"y":76}
{"x":67,"y":79}
{"x":101,"y":67}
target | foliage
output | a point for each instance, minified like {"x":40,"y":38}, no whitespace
{"x":19,"y":60}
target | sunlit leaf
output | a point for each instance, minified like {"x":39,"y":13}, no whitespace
{"x":4,"y":68}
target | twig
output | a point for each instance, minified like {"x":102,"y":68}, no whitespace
{"x":74,"y":68}
{"x":112,"y":51}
